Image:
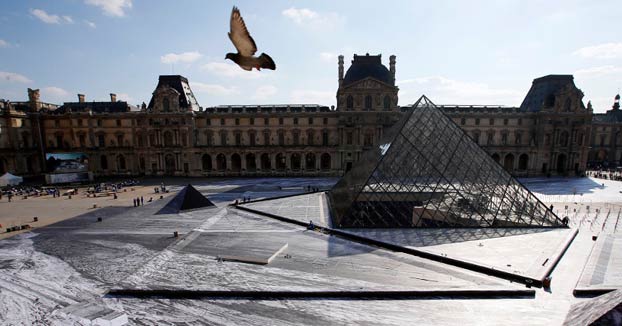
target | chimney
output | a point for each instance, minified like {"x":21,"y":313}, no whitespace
{"x":113,"y":97}
{"x":340,"y":62}
{"x":81,"y":98}
{"x":392,"y":67}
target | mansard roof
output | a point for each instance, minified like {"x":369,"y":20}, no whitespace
{"x":181,"y":85}
{"x":96,"y":107}
{"x":544,"y":88}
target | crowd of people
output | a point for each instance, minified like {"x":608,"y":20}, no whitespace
{"x":605,"y":174}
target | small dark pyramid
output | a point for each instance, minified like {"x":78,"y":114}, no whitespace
{"x":187,"y":198}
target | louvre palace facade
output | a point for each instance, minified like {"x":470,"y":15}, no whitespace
{"x":551,"y":132}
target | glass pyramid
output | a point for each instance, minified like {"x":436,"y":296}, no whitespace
{"x":427,"y":172}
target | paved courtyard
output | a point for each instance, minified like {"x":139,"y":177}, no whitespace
{"x":69,"y":270}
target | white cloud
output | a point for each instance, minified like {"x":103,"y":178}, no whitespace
{"x":186,"y":57}
{"x":125,"y":97}
{"x":115,"y":8}
{"x":328,"y":57}
{"x":90,"y":24}
{"x":595,"y":72}
{"x":313,"y":97}
{"x":448,"y":91}
{"x":230,"y":70}
{"x":213,"y":89}
{"x":54,"y":93}
{"x":312,"y":19}
{"x":12,"y":77}
{"x":601,"y":51}
{"x":265,"y":92}
{"x":4,"y":44}
{"x":49,"y":19}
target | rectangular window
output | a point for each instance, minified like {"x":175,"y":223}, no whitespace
{"x":325,"y":121}
{"x":222,"y":121}
{"x":118,"y":123}
{"x":519,"y":139}
{"x":463,"y":121}
{"x":266,"y":121}
{"x":120,"y":140}
{"x":349,"y":138}
{"x":520,"y":121}
{"x":101,"y":140}
{"x":280,"y":121}
{"x":82,"y":140}
{"x":325,"y":138}
{"x":99,"y":122}
{"x":310,"y":121}
{"x":80,"y":122}
{"x":490,"y":138}
{"x":477,"y":122}
{"x":505,"y":122}
{"x":281,"y":138}
{"x":237,"y":121}
{"x":252,"y":121}
{"x":491,"y":121}
{"x":223,"y":138}
{"x":57,"y":123}
{"x":238,"y":139}
{"x":208,"y":122}
{"x":295,"y":121}
{"x":547,"y":139}
{"x":368,"y":140}
{"x":504,"y":139}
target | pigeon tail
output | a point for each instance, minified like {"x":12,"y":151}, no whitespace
{"x":266,"y":62}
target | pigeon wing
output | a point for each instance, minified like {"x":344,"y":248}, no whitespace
{"x":239,"y":35}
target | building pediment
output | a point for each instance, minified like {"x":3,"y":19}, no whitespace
{"x":368,"y":83}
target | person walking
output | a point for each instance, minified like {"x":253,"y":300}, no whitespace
{"x":142,"y":201}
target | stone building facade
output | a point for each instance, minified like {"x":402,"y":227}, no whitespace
{"x":552,"y":132}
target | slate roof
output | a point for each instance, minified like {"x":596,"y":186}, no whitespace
{"x":96,"y":107}
{"x":181,"y":85}
{"x":364,"y":66}
{"x":542,"y":88}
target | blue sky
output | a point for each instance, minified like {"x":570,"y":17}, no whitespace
{"x":455,"y":52}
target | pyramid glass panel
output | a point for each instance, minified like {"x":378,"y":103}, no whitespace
{"x":426,"y":172}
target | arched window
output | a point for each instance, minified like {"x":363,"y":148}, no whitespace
{"x":236,"y":162}
{"x":368,"y":102}
{"x":206,"y":161}
{"x":295,"y":161}
{"x":387,"y":102}
{"x":349,"y":102}
{"x":251,"y":165}
{"x":166,"y":106}
{"x":121,"y":162}
{"x":325,"y":161}
{"x":103,"y":162}
{"x":523,"y":162}
{"x":508,"y":162}
{"x":310,"y":161}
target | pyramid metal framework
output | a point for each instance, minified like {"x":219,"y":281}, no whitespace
{"x":427,"y":172}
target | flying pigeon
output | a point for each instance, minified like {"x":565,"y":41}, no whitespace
{"x":245,"y":45}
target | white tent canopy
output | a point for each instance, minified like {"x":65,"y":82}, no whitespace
{"x":9,"y":179}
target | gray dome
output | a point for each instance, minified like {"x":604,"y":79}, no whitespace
{"x":367,"y":66}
